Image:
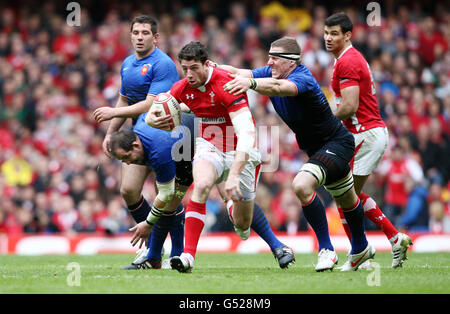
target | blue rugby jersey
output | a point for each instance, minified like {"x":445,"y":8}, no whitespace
{"x":153,"y":75}
{"x":307,"y":114}
{"x":159,"y":145}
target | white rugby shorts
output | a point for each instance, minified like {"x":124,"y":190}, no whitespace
{"x":205,"y":150}
{"x":370,"y":146}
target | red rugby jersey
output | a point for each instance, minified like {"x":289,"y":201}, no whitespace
{"x":351,"y":69}
{"x":212,"y":105}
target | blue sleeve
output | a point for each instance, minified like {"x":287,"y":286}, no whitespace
{"x":165,"y":172}
{"x":301,"y":82}
{"x":264,"y":71}
{"x":164,"y":75}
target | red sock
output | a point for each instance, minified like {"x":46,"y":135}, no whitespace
{"x":344,"y":224}
{"x":374,"y":213}
{"x":194,"y":222}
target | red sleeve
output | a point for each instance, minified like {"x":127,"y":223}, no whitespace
{"x":175,"y":91}
{"x":230,"y":102}
{"x":348,"y":74}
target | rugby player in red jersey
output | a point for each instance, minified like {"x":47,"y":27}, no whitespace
{"x":225,"y":151}
{"x":357,"y":107}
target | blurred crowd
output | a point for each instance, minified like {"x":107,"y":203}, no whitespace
{"x":54,"y":176}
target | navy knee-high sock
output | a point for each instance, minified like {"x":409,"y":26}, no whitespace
{"x":355,"y":221}
{"x":261,"y":226}
{"x":140,"y":210}
{"x":177,"y":232}
{"x":156,"y":239}
{"x":314,"y":213}
{"x":167,"y":223}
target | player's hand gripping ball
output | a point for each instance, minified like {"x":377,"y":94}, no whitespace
{"x":168,"y":106}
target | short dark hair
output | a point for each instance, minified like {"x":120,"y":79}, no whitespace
{"x":145,"y":19}
{"x":289,"y":45}
{"x":195,"y":50}
{"x":122,"y":139}
{"x":340,"y":19}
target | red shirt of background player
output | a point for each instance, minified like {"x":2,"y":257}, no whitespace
{"x":351,"y":69}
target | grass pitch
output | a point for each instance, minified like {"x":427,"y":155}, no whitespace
{"x":220,"y":274}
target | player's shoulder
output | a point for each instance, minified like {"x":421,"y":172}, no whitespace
{"x":301,"y":72}
{"x":180,"y":85}
{"x":131,"y":58}
{"x":351,"y":56}
{"x":162,"y":56}
{"x":220,"y":75}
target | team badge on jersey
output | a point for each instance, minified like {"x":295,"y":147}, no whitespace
{"x":144,"y":69}
{"x":212,"y":98}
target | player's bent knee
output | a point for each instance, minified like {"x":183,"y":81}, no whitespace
{"x":130,"y":193}
{"x":202,"y":186}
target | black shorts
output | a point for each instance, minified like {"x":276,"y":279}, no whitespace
{"x":184,"y":172}
{"x":184,"y":166}
{"x":334,"y":157}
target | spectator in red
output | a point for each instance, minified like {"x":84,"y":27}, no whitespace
{"x":432,"y":43}
{"x":67,"y":44}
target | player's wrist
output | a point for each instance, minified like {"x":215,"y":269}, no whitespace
{"x":253,"y":83}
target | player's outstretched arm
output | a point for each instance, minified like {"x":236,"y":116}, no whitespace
{"x":123,"y":111}
{"x":267,"y":86}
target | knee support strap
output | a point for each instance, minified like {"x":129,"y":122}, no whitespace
{"x":341,"y":187}
{"x":317,"y":171}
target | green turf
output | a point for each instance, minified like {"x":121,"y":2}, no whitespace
{"x":221,"y":273}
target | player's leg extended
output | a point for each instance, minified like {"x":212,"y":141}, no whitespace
{"x":354,"y":215}
{"x":400,"y":242}
{"x":205,"y":176}
{"x":372,"y":211}
{"x":261,"y":226}
{"x":353,"y":212}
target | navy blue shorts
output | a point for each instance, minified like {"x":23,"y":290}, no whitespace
{"x":334,"y":157}
{"x":184,"y":167}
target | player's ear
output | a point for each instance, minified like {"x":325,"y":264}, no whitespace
{"x":136,"y":145}
{"x":348,"y":36}
{"x":156,"y":38}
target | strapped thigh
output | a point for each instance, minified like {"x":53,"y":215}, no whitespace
{"x":341,"y":187}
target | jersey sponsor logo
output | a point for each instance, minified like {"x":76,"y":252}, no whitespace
{"x":331,"y":153}
{"x":218,"y":120}
{"x":189,"y":96}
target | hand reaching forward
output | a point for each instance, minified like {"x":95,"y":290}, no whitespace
{"x":141,"y":233}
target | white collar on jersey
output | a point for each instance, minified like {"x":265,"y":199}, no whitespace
{"x":203,"y":87}
{"x":345,"y":50}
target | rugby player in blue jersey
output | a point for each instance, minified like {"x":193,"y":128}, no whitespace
{"x":162,"y":153}
{"x":144,"y":74}
{"x":299,"y":101}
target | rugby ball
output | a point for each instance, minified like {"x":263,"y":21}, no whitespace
{"x":169,"y":106}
